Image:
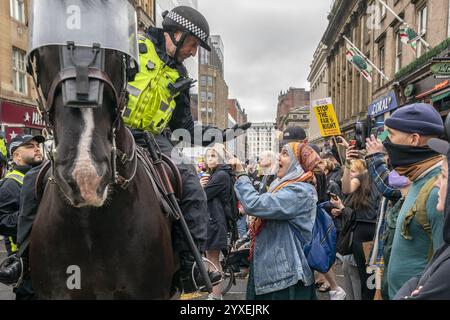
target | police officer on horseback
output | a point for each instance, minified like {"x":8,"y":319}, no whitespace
{"x":159,"y":103}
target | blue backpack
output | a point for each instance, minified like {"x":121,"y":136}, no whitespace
{"x":320,"y":252}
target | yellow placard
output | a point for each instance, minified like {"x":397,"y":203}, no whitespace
{"x":328,"y":123}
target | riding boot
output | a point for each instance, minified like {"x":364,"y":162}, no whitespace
{"x":11,"y":270}
{"x":190,"y":284}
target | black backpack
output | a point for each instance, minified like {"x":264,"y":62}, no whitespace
{"x":233,"y":214}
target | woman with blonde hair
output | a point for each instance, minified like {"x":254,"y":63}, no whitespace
{"x":217,"y":185}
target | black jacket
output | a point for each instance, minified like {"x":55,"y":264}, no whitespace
{"x":218,"y":193}
{"x":434,"y":281}
{"x":10,"y":204}
{"x":435,"y":278}
{"x":335,"y":175}
{"x":29,"y":205}
{"x":182,"y":116}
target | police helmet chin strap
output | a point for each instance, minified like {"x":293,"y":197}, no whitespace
{"x":178,"y":44}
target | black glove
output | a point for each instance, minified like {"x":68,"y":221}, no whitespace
{"x":236,"y":131}
{"x":245,"y":126}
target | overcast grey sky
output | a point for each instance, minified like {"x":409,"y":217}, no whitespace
{"x":268,"y":47}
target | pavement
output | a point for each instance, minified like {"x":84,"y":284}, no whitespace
{"x":237,"y":292}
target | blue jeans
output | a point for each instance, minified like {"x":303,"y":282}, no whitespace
{"x":242,"y":226}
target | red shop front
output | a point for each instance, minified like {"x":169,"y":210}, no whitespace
{"x":17,"y":119}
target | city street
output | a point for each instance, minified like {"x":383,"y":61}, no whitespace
{"x":297,"y":136}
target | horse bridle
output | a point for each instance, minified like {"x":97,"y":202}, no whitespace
{"x":82,"y":74}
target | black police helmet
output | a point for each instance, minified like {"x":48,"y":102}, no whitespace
{"x":187,"y":19}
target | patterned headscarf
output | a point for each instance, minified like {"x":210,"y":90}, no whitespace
{"x":306,"y":155}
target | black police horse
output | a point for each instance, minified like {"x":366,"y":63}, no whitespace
{"x":100,"y":232}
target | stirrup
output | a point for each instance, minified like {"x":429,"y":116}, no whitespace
{"x":202,"y":288}
{"x":20,"y":280}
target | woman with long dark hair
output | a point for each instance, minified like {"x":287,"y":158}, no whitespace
{"x":362,"y":202}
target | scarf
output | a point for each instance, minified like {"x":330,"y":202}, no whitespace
{"x":405,"y":156}
{"x":410,"y":161}
{"x":294,"y":174}
{"x":416,"y":170}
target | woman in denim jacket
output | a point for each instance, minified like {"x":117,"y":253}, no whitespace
{"x":278,"y":267}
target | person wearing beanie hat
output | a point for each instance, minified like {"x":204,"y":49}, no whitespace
{"x":418,"y":233}
{"x":420,"y":118}
{"x":433,"y":283}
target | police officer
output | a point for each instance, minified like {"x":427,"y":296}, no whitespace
{"x":159,"y":103}
{"x":25,"y":153}
{"x":3,"y":156}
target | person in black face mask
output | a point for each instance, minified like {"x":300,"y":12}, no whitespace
{"x":418,"y":232}
{"x":433,"y":284}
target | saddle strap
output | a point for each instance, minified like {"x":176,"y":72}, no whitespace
{"x":156,"y":183}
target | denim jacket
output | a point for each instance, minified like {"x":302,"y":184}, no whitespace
{"x":278,"y":258}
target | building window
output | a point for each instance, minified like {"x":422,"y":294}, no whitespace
{"x":423,"y":23}
{"x":203,"y":96}
{"x":203,"y":81}
{"x":382,"y":58}
{"x":17,"y":8}
{"x":210,"y":96}
{"x":204,"y":56}
{"x":210,"y":81}
{"x":398,"y":52}
{"x":19,"y":71}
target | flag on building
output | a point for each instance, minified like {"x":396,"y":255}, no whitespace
{"x":359,"y":62}
{"x":409,"y":36}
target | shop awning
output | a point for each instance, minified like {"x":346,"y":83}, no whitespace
{"x":440,"y":96}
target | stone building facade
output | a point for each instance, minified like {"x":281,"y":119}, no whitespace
{"x":376,"y":33}
{"x":289,"y":100}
